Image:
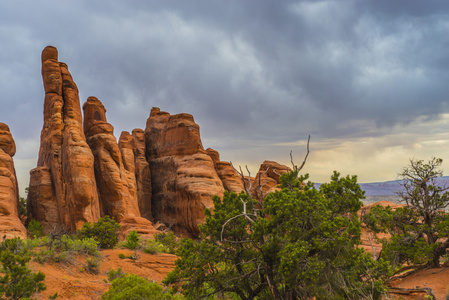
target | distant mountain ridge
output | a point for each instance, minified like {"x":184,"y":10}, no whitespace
{"x":389,"y":188}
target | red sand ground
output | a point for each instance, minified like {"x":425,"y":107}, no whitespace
{"x":70,"y":280}
{"x":436,"y":279}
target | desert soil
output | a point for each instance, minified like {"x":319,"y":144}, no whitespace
{"x":71,"y":281}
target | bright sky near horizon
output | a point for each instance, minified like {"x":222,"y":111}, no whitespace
{"x":368,"y":80}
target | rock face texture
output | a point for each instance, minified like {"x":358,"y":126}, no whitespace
{"x":231,"y":180}
{"x":182,"y":173}
{"x":267,"y":178}
{"x":62,"y":188}
{"x":115,"y":178}
{"x":10,"y":224}
{"x":114,"y":170}
{"x":143,"y":174}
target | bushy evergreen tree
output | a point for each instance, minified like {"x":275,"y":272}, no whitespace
{"x":18,"y":281}
{"x":300,"y":244}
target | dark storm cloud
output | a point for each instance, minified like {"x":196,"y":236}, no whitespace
{"x":251,"y":72}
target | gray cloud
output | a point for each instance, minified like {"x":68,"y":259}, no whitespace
{"x":253,"y":73}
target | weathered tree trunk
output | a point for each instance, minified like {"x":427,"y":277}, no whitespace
{"x":272,"y":284}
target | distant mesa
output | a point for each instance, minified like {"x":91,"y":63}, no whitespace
{"x":159,"y":175}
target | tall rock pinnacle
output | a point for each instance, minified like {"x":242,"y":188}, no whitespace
{"x":62,"y":187}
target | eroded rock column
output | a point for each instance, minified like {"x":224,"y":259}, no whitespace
{"x":114,"y":170}
{"x":62,"y":187}
{"x":10,"y":224}
{"x":182,"y":173}
{"x":116,"y":185}
{"x":132,"y":148}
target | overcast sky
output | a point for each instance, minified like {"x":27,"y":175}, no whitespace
{"x":368,"y":80}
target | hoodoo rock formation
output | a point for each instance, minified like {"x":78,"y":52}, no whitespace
{"x":116,"y":184}
{"x":62,"y":188}
{"x":162,"y":174}
{"x":10,"y":224}
{"x":183,"y":176}
{"x":114,"y":170}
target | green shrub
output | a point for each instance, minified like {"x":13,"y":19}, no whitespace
{"x":87,"y":246}
{"x":169,"y":240}
{"x":121,"y":256}
{"x":132,"y":240}
{"x":31,"y":244}
{"x":133,"y":287}
{"x":154,"y":247}
{"x":93,"y":265}
{"x":18,"y":281}
{"x":35,"y":229}
{"x":61,"y":257}
{"x":114,"y":274}
{"x":43,"y":255}
{"x":61,"y":249}
{"x":22,"y":207}
{"x":104,"y":231}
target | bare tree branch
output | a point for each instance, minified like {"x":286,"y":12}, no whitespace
{"x":234,"y":217}
{"x":295,"y":167}
{"x":261,"y":197}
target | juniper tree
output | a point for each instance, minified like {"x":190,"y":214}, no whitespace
{"x":301,"y":243}
{"x":18,"y":280}
{"x":419,"y":230}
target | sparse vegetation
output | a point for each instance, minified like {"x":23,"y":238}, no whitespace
{"x":61,"y":249}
